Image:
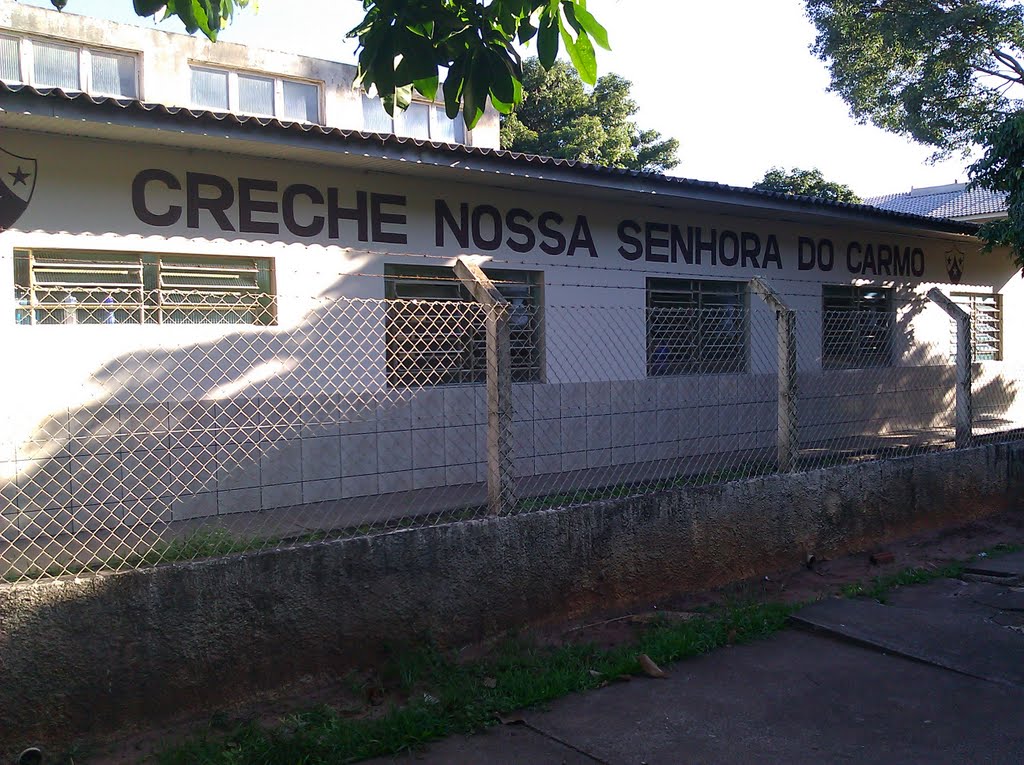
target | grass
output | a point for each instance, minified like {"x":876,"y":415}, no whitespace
{"x":434,"y":696}
{"x":442,"y":696}
{"x":880,"y":587}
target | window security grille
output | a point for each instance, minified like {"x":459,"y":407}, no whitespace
{"x":435,"y":331}
{"x":68,"y":67}
{"x":259,"y":95}
{"x":421,"y":120}
{"x":986,"y":313}
{"x":66,"y":287}
{"x":696,"y":327}
{"x":857,"y":327}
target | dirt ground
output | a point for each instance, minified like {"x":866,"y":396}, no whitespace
{"x":360,"y":694}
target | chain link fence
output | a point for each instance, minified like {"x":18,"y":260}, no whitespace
{"x":237,"y":425}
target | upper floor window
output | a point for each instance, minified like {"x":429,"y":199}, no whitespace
{"x":421,"y":120}
{"x":986,"y":324}
{"x":856,"y":327}
{"x":696,"y":327}
{"x":261,"y":95}
{"x":45,"y":64}
{"x":75,"y":287}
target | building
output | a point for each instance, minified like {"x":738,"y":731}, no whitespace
{"x":953,"y":200}
{"x":210,"y":313}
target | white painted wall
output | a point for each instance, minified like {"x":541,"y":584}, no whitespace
{"x":594,"y":407}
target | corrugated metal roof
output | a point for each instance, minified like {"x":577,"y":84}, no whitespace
{"x":944,"y":202}
{"x":365,"y":141}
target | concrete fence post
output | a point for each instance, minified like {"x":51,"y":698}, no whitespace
{"x":964,"y":366}
{"x":788,"y":437}
{"x":501,"y":494}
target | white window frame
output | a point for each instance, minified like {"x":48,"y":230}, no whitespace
{"x":433,"y":122}
{"x":26,"y":63}
{"x":279,"y":81}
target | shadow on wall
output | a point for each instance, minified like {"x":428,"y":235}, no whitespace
{"x":253,"y":418}
{"x":305,"y":415}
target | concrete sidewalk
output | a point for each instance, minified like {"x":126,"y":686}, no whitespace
{"x":933,"y":676}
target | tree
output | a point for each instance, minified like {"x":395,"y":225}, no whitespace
{"x":806,"y":183}
{"x":559,"y":118}
{"x":404,"y":46}
{"x":938,"y":71}
{"x":946,"y":73}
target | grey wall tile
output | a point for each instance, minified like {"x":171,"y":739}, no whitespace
{"x":281,"y":462}
{"x":321,"y":491}
{"x":321,"y":458}
{"x":281,"y":495}
{"x":238,"y":501}
{"x":394,"y":451}
{"x":428,"y":448}
{"x":358,"y":456}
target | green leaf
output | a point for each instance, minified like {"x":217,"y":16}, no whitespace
{"x":587,"y":60}
{"x":527,"y":31}
{"x":475,"y":90}
{"x":502,"y":78}
{"x":427,"y":87}
{"x":592,"y":27}
{"x":453,"y":86}
{"x":547,"y":41}
{"x":148,"y":7}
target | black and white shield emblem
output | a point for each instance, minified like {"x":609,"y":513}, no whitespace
{"x":955,"y":264}
{"x":17,"y":182}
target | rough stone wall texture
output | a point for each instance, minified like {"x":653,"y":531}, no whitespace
{"x":93,"y":655}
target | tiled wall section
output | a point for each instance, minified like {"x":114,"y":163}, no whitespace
{"x":100,"y":465}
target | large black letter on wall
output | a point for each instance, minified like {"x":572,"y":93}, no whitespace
{"x":142,"y":211}
{"x":216,"y":206}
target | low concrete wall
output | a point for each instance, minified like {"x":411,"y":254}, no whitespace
{"x":92,"y":655}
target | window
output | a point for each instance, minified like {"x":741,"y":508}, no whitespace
{"x":68,"y":67}
{"x":421,"y":120}
{"x":435,"y":331}
{"x":260,"y":95}
{"x":856,"y":327}
{"x":696,"y":327}
{"x":70,"y":287}
{"x":986,"y":324}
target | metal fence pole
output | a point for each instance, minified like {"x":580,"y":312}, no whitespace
{"x":964,"y":366}
{"x":788,"y":439}
{"x":500,"y":463}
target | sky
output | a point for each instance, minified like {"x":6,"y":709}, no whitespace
{"x":733,"y":80}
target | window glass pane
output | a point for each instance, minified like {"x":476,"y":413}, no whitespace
{"x":255,"y":95}
{"x":210,"y":89}
{"x":301,"y":101}
{"x":113,"y":74}
{"x":10,"y":64}
{"x":375,"y":119}
{"x":414,"y":121}
{"x":54,"y":66}
{"x":449,"y":131}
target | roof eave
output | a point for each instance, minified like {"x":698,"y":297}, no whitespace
{"x":76,"y":114}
